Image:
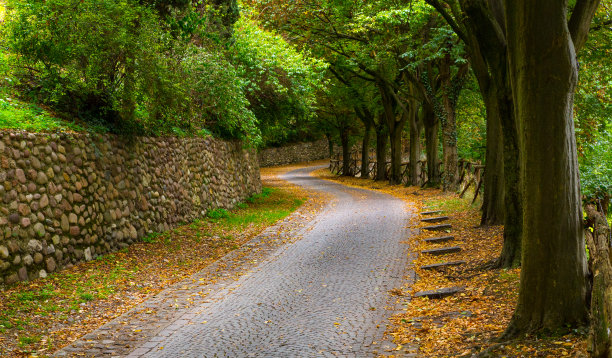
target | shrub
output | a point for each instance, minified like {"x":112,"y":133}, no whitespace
{"x":93,"y":59}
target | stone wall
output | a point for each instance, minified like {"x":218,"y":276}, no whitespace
{"x":294,"y":153}
{"x":66,"y":198}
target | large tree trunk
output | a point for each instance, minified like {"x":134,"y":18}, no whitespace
{"x":381,"y":151}
{"x":552,"y":292}
{"x":513,"y":213}
{"x":449,"y":153}
{"x":346,"y":154}
{"x":395,"y":136}
{"x":432,"y":128}
{"x":330,"y":145}
{"x":493,"y":194}
{"x":488,"y":54}
{"x":395,"y":125}
{"x":415,"y":148}
{"x":597,"y":234}
{"x":449,"y":125}
{"x":365,"y":150}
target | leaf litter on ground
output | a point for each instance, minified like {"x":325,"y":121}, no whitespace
{"x":469,"y":323}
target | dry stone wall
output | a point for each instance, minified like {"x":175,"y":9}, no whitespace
{"x":67,"y":198}
{"x":294,"y":153}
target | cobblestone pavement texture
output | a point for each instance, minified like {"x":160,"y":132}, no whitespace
{"x":322,"y":292}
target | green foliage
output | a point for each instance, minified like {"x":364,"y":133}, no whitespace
{"x":217,"y":93}
{"x":117,"y":65}
{"x":280,"y":82}
{"x":593,"y":110}
{"x":596,"y":168}
{"x":97,"y":60}
{"x":471,"y":123}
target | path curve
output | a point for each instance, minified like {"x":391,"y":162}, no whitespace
{"x":322,"y":295}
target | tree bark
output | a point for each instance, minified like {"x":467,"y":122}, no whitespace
{"x":486,"y":38}
{"x":395,"y":124}
{"x":395,"y":137}
{"x":432,"y":128}
{"x":381,"y":151}
{"x":543,"y":72}
{"x":513,"y":213}
{"x":346,"y":154}
{"x":330,"y":145}
{"x":451,"y":86}
{"x":415,"y":148}
{"x":599,"y":343}
{"x":365,"y":150}
{"x":449,"y":153}
{"x":493,"y":193}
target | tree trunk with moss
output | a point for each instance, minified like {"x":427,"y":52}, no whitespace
{"x":416,"y":127}
{"x":368,"y":122}
{"x":382,"y":138}
{"x":493,"y":191}
{"x":543,"y":73}
{"x":346,"y":153}
{"x":395,"y":124}
{"x":599,"y":343}
{"x":432,"y":128}
{"x":365,"y":152}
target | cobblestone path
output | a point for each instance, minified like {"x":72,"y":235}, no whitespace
{"x":323,"y":295}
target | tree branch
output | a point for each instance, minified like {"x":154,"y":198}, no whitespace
{"x":601,"y":26}
{"x":449,"y":19}
{"x":580,"y":21}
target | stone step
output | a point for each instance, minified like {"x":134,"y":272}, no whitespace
{"x":442,"y":251}
{"x":442,"y":265}
{"x":441,"y":292}
{"x":436,"y":219}
{"x":431,"y":212}
{"x":439,"y":239}
{"x":437,"y":227}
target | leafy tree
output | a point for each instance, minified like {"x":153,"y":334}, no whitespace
{"x":118,"y":65}
{"x":98,"y":59}
{"x":281,"y":83}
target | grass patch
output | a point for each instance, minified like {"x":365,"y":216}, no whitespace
{"x":150,"y":239}
{"x":269,"y":206}
{"x":449,"y":204}
{"x":217,"y":214}
{"x":25,"y":341}
{"x":86,"y":297}
{"x":16,"y":114}
{"x":265,"y":193}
